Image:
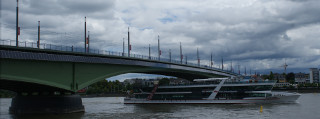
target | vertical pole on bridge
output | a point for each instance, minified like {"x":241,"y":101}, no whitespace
{"x":123,"y":47}
{"x":129,"y":46}
{"x":186,"y":59}
{"x":149,"y":52}
{"x":170,"y":55}
{"x":198,"y":57}
{"x":222,"y":63}
{"x":245,"y":71}
{"x":38,"y":43}
{"x":211,"y":63}
{"x":88,"y":42}
{"x":85,"y":34}
{"x":159,"y":51}
{"x":17,"y":25}
{"x":181,"y":56}
{"x":231,"y":66}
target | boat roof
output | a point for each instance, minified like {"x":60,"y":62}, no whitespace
{"x":210,"y":79}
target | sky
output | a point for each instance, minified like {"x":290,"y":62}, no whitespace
{"x":260,"y":35}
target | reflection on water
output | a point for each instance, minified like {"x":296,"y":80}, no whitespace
{"x":113,"y":107}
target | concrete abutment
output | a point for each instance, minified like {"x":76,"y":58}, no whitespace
{"x":46,"y":104}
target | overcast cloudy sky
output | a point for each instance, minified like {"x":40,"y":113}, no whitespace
{"x":256,"y":34}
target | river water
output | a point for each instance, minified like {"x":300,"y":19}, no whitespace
{"x":308,"y":107}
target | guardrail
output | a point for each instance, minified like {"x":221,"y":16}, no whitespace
{"x":104,"y":52}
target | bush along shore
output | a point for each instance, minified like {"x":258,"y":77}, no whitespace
{"x":7,"y":94}
{"x":107,"y":88}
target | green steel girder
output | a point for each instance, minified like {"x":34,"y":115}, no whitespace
{"x":73,"y":76}
{"x":66,"y":75}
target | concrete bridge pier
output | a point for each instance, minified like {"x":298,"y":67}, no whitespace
{"x":46,"y":104}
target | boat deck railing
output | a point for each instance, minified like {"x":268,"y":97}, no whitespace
{"x":227,"y":82}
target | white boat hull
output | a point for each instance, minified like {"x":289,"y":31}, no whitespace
{"x":276,"y":98}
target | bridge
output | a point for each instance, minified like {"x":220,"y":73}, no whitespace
{"x":44,"y":74}
{"x":46,"y":77}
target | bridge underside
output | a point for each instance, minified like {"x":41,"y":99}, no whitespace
{"x":31,"y":75}
{"x":28,"y":87}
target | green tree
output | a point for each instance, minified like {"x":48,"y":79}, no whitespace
{"x":105,"y":86}
{"x":6,"y":94}
{"x":164,"y":81}
{"x":265,"y":76}
{"x":129,"y":87}
{"x":271,"y":76}
{"x":290,"y":77}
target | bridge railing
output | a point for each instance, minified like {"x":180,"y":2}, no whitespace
{"x":103,"y":52}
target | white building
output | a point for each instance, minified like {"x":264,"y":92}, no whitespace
{"x":314,"y":75}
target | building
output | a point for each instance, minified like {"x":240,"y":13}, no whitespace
{"x":280,"y":77}
{"x":307,"y":78}
{"x":314,"y":75}
{"x":300,"y":78}
{"x":140,"y":82}
{"x":178,"y":81}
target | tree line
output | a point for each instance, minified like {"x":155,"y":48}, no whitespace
{"x":106,"y":86}
{"x":289,"y":77}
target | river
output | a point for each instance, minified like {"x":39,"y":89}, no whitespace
{"x":307,"y":107}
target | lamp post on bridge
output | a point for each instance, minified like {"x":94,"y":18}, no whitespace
{"x":170,"y":55}
{"x":85,"y":34}
{"x":123,"y":47}
{"x":149,"y":52}
{"x":129,"y":45}
{"x":38,"y":43}
{"x":186,"y":59}
{"x":231,"y":67}
{"x":17,"y":25}
{"x":211,"y":63}
{"x":245,"y":71}
{"x":88,"y":41}
{"x":181,"y":56}
{"x":198,"y":58}
{"x":222,"y":63}
{"x":159,"y":51}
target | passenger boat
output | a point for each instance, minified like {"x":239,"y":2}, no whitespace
{"x":211,"y":91}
